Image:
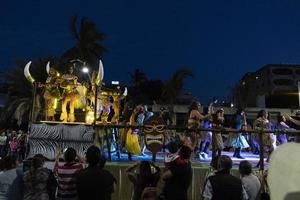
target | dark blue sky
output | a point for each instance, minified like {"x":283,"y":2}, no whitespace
{"x":219,"y":40}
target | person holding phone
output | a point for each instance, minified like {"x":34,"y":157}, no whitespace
{"x":66,"y":173}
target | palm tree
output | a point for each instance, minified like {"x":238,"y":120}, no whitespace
{"x":20,"y":91}
{"x":88,"y":39}
{"x":173,"y":87}
{"x":138,"y":77}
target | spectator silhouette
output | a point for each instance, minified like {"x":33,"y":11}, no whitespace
{"x":39,"y":182}
{"x":143,"y":178}
{"x":179,"y":176}
{"x":94,"y":182}
{"x":9,"y":165}
{"x":222,"y":185}
{"x":250,"y":182}
{"x":66,"y":174}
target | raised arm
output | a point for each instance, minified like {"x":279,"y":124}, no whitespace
{"x":132,"y":167}
{"x":289,"y":118}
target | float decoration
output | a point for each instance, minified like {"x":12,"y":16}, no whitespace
{"x":154,"y":130}
{"x":67,"y":91}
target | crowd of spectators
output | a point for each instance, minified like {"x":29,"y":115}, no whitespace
{"x":85,"y":178}
{"x":177,"y":176}
{"x":73,"y":179}
{"x":13,"y":143}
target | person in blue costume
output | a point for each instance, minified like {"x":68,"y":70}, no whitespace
{"x":237,"y":140}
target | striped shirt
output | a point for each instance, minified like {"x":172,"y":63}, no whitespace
{"x":67,"y":180}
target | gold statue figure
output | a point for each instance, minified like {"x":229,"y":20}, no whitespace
{"x":70,"y":95}
{"x":52,"y":93}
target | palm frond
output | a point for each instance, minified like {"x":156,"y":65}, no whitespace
{"x":73,"y":28}
{"x":174,"y":86}
{"x":88,"y":42}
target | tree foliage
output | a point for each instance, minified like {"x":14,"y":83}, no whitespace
{"x":147,"y":91}
{"x":20,"y":91}
{"x":88,"y":40}
{"x":173,"y":87}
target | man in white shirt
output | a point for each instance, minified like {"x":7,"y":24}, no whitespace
{"x":250,"y":182}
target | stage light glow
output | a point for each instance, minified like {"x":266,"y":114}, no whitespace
{"x":85,"y":70}
{"x":55,"y":103}
{"x":89,"y":118}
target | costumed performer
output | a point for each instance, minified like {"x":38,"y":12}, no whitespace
{"x":70,"y":95}
{"x":52,"y":93}
{"x":237,"y":140}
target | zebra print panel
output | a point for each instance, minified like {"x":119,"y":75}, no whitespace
{"x":45,"y":139}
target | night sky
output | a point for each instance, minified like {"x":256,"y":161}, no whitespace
{"x":219,"y":40}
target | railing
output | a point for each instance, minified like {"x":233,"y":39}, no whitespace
{"x":258,"y":131}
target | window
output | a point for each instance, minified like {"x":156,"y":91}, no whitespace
{"x":283,"y":82}
{"x":297,"y":71}
{"x":282,"y":71}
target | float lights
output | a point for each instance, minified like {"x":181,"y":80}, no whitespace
{"x":115,"y":83}
{"x":85,"y":70}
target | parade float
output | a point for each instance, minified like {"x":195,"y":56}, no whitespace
{"x":74,"y":111}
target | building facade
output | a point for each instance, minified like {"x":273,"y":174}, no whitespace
{"x":272,"y":86}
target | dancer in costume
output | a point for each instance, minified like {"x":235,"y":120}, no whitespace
{"x":294,"y":122}
{"x":206,"y":140}
{"x":70,"y":95}
{"x":51,"y":94}
{"x":132,"y":145}
{"x":268,"y":139}
{"x":218,"y":122}
{"x":195,"y":119}
{"x":282,"y":138}
{"x":237,"y":140}
{"x":206,"y":136}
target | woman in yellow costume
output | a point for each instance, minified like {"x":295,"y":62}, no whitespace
{"x":70,"y":94}
{"x":132,"y":139}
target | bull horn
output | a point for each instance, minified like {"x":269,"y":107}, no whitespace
{"x":27,"y":73}
{"x":48,"y":67}
{"x":125,"y":92}
{"x":100,"y":74}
